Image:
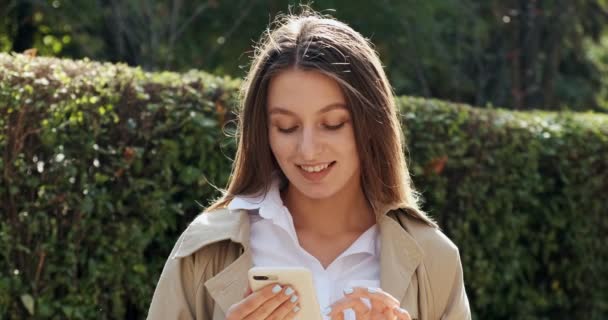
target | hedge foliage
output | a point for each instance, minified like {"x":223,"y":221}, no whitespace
{"x":104,"y":165}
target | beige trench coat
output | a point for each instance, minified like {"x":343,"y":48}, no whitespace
{"x":206,"y":272}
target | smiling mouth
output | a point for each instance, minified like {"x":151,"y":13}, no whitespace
{"x":316,"y":168}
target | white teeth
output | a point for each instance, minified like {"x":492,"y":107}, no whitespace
{"x":315,"y":168}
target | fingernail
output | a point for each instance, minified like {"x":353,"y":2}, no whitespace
{"x":276,"y":289}
{"x":349,"y":290}
{"x":296,"y":309}
{"x":293,"y":299}
{"x":288,"y":291}
{"x":327,"y":311}
{"x":372,"y":290}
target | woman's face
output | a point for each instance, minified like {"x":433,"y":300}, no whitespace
{"x":311,"y":133}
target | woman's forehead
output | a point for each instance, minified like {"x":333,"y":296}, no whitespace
{"x":297,"y":91}
{"x":287,"y":111}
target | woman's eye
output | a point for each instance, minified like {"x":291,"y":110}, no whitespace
{"x":293,"y":129}
{"x":336,"y":127}
{"x":289,"y":130}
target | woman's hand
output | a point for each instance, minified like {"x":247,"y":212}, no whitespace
{"x":383,"y":305}
{"x":271,"y":302}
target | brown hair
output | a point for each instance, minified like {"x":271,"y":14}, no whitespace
{"x":310,"y":41}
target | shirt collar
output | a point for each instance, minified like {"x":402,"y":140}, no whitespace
{"x":269,"y":204}
{"x":366,"y":243}
{"x":271,"y":207}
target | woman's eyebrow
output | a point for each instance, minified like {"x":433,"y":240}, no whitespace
{"x":336,"y":105}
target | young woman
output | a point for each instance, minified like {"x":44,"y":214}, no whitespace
{"x":319,"y":181}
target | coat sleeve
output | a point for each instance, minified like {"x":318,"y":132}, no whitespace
{"x":457,"y":307}
{"x":177,"y":290}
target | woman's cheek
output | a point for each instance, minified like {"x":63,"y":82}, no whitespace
{"x":281,"y":145}
{"x":344,"y":140}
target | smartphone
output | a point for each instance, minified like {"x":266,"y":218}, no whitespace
{"x":298,"y":278}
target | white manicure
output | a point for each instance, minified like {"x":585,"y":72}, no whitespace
{"x":276,"y":289}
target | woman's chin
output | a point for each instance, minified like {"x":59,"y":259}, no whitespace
{"x":317,"y":191}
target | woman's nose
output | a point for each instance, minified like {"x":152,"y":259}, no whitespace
{"x":309,"y":145}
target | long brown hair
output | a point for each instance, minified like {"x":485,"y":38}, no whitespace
{"x":311,"y":41}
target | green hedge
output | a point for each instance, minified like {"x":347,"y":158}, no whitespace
{"x":525,"y":198}
{"x":103,"y":166}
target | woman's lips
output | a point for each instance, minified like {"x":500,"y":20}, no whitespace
{"x":316,"y":176}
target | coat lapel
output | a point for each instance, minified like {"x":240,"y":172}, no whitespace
{"x":400,"y":255}
{"x":229,"y":285}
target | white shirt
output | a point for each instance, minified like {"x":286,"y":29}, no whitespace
{"x":274,"y":243}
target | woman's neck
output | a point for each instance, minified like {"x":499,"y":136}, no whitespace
{"x":346,"y":211}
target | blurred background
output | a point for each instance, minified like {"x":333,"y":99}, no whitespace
{"x":518,"y":54}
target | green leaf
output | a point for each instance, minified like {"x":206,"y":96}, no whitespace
{"x":28,"y":303}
